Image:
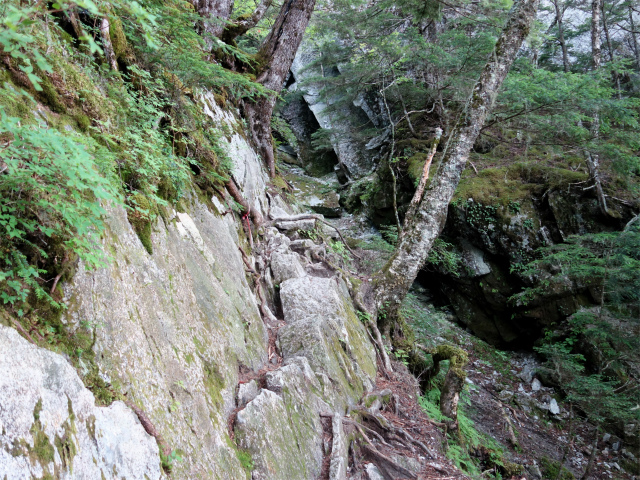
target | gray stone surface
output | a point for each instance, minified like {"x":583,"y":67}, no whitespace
{"x":373,"y":473}
{"x":322,"y":326}
{"x":50,"y":425}
{"x":355,"y":161}
{"x":293,"y":225}
{"x":172,"y":327}
{"x":339,"y":450}
{"x":247,"y":392}
{"x":269,"y":432}
{"x":285,"y":266}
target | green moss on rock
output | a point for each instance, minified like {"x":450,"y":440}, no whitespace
{"x":141,"y":215}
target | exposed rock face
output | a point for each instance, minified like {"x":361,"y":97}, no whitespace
{"x":50,"y":424}
{"x":495,"y":241}
{"x":322,"y":326}
{"x":355,"y":160}
{"x":173,"y":331}
{"x":328,"y":364}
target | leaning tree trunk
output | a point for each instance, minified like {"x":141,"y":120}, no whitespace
{"x":421,"y":229}
{"x":276,"y":56}
{"x":215,"y":14}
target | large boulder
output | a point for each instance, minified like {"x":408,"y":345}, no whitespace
{"x":50,"y":425}
{"x":281,"y":427}
{"x":322,"y":326}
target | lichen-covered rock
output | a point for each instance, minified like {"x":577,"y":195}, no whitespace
{"x":266,"y":429}
{"x":339,"y":450}
{"x":172,"y":327}
{"x":49,"y":424}
{"x":322,"y":327}
{"x":285,"y":266}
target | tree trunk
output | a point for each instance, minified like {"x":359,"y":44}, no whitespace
{"x":592,"y":457}
{"x":107,"y":46}
{"x":596,"y":42}
{"x":593,"y":161}
{"x":453,"y":380}
{"x":276,"y":56}
{"x":605,"y":25}
{"x":215,"y":14}
{"x":420,"y":230}
{"x":563,"y":44}
{"x":634,"y":40}
{"x":241,"y":25}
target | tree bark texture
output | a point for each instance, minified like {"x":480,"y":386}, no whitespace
{"x":596,"y":42}
{"x":107,"y":46}
{"x":593,"y":161}
{"x":276,"y":56}
{"x":453,"y":380}
{"x":215,"y":14}
{"x":563,"y":44}
{"x":421,"y":229}
{"x":241,"y":25}
{"x":634,"y":40}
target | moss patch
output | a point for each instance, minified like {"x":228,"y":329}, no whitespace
{"x":515,"y":182}
{"x":141,"y":215}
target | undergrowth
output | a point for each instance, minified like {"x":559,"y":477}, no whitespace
{"x":77,"y":137}
{"x":470,"y":450}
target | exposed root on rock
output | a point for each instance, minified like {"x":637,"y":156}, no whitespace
{"x":150,"y":428}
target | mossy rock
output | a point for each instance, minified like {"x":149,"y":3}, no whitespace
{"x":141,"y":215}
{"x":550,"y":469}
{"x":515,"y":182}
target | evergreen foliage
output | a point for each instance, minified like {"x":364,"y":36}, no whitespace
{"x":594,"y":356}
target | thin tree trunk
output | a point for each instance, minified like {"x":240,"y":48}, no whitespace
{"x":421,"y":230}
{"x":605,"y":26}
{"x":215,"y":14}
{"x":634,"y":40}
{"x":596,"y":42}
{"x":241,"y":25}
{"x":391,"y":154}
{"x":593,"y":161}
{"x":107,"y":46}
{"x":563,"y":44}
{"x":592,"y":457}
{"x":276,"y":56}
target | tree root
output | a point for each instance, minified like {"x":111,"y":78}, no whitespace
{"x":150,"y":428}
{"x":310,"y":216}
{"x":400,"y":434}
{"x":377,"y":336}
{"x":267,"y":315}
{"x":388,"y":466}
{"x":21,"y":329}
{"x":233,"y":190}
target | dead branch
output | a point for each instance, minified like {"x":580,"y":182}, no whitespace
{"x":417,"y":197}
